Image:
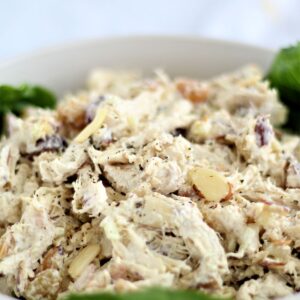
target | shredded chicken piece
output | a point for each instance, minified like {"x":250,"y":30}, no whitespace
{"x":268,"y":287}
{"x":117,"y":208}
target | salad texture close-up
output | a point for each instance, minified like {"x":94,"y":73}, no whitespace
{"x":153,"y":187}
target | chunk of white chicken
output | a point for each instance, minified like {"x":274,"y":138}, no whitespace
{"x":90,"y":195}
{"x":9,"y":155}
{"x":24,"y":243}
{"x":161,"y":164}
{"x":243,"y":91}
{"x":180,"y":216}
{"x":269,"y":287}
{"x":231,"y":221}
{"x":57,"y":169}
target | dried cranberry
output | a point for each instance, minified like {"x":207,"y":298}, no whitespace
{"x":51,"y":143}
{"x":263,"y":132}
{"x":60,"y":250}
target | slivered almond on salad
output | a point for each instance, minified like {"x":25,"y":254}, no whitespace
{"x":189,"y":185}
{"x":210,"y":184}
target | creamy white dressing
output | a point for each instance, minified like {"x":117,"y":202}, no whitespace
{"x":123,"y":189}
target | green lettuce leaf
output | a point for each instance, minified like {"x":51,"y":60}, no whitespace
{"x":284,"y":75}
{"x":15,"y":99}
{"x":148,"y":294}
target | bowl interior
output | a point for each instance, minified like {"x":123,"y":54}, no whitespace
{"x":65,"y":68}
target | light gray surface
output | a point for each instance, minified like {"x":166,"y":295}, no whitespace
{"x":26,"y":25}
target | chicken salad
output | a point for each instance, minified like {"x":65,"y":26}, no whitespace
{"x":134,"y":182}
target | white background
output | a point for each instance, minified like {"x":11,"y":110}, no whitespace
{"x":27,"y":25}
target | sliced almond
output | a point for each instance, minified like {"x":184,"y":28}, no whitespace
{"x":281,"y":242}
{"x":210,"y":184}
{"x":3,"y":250}
{"x":272,"y":263}
{"x":193,"y":90}
{"x":83,"y":259}
{"x":92,"y":127}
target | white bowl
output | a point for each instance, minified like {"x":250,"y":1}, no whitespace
{"x":64,"y":68}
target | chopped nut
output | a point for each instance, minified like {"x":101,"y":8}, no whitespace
{"x":200,"y":130}
{"x":193,"y":90}
{"x":71,"y":112}
{"x":83,"y":259}
{"x":47,"y":263}
{"x":92,"y":127}
{"x":3,"y":250}
{"x":210,"y":184}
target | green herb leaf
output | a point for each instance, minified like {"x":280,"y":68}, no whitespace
{"x":148,"y":294}
{"x":37,"y":96}
{"x":15,"y":99}
{"x":284,"y":75}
